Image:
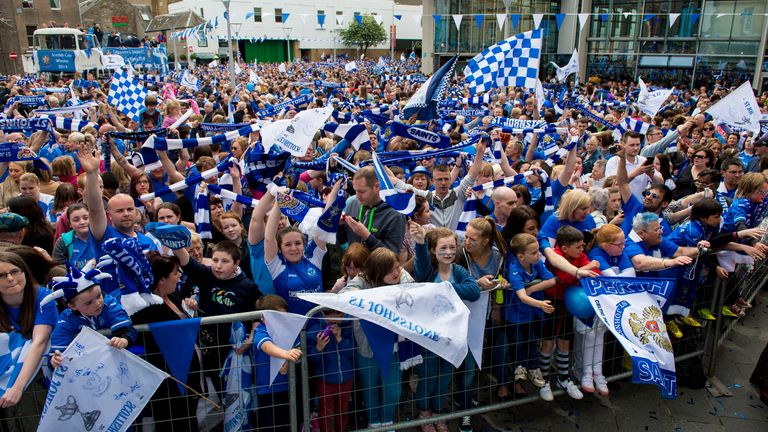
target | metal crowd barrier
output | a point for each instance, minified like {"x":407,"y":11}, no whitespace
{"x":305,"y":404}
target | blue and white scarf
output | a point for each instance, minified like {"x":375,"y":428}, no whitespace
{"x":278,"y":108}
{"x":202,"y":214}
{"x":421,"y":135}
{"x":27,"y":101}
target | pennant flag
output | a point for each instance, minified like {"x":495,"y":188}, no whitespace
{"x":512,"y":62}
{"x":695,"y":18}
{"x":457,"y":20}
{"x":398,"y":17}
{"x":339,"y":20}
{"x":425,"y":101}
{"x":673,"y":18}
{"x":500,"y":20}
{"x":649,"y":17}
{"x":110,"y":397}
{"x":626,"y":14}
{"x":176,"y":340}
{"x":650,"y":102}
{"x":739,"y":109}
{"x":285,"y":17}
{"x":559,"y":18}
{"x":507,"y":3}
{"x":283,"y":328}
{"x":359,"y":19}
{"x":583,"y":17}
{"x":631,"y":309}
{"x":127,"y":94}
{"x":562,"y":73}
{"x":429,"y":314}
{"x":479,"y":21}
{"x":604,"y":17}
{"x":515,"y":21}
{"x":540,"y":97}
{"x":537,"y":17}
{"x":478,"y":310}
{"x":401,"y":201}
{"x":379,"y":19}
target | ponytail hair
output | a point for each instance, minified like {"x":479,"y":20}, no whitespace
{"x":486,"y":226}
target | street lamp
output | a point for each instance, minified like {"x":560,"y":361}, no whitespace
{"x":232,"y":77}
{"x":287,"y":31}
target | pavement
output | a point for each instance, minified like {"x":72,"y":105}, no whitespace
{"x":641,"y":408}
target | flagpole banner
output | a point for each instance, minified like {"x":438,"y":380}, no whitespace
{"x":429,"y":314}
{"x":97,"y":387}
{"x":738,"y":109}
{"x":295,"y":135}
{"x":631,"y":309}
{"x":650,"y":102}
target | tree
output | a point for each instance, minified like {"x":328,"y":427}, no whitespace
{"x":367,"y":35}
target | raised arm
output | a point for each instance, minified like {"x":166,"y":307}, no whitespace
{"x":131,"y":170}
{"x":622,"y":178}
{"x":89,"y":161}
{"x":270,"y":234}
{"x":328,"y":203}
{"x":173,"y":175}
{"x":570,"y":164}
{"x":257,"y":225}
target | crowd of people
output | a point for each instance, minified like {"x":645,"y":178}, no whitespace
{"x":609,"y":204}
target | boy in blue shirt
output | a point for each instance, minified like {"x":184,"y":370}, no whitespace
{"x":86,"y":306}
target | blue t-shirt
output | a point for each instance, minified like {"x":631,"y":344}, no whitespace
{"x":616,"y":263}
{"x":691,"y":233}
{"x":666,"y":249}
{"x":145,"y":242}
{"x":259,"y":269}
{"x":291,"y":279}
{"x":549,"y":230}
{"x":516,"y":311}
{"x":741,"y":210}
{"x":84,"y":251}
{"x":632,"y":208}
{"x":261,"y":361}
{"x":46,"y":315}
{"x":161,"y":184}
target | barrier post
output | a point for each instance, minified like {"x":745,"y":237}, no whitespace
{"x":713,"y":331}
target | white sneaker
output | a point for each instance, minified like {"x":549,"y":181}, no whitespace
{"x":601,"y":384}
{"x":587,"y":383}
{"x":521,"y":373}
{"x":536,"y":378}
{"x":545,"y":393}
{"x":571,"y":388}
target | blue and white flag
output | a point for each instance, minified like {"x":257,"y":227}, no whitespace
{"x":351,"y":66}
{"x":739,"y":109}
{"x":237,"y":374}
{"x":631,"y":309}
{"x":572,"y":67}
{"x":512,"y":62}
{"x":13,"y":351}
{"x":424,"y":103}
{"x":355,"y":134}
{"x":650,"y":102}
{"x":421,"y":135}
{"x":190,"y":81}
{"x":127,"y":94}
{"x":401,"y":201}
{"x":430,"y":314}
{"x":97,"y":387}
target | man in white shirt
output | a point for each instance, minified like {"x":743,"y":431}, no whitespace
{"x":641,"y":175}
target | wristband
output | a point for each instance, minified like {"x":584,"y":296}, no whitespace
{"x":664,"y":263}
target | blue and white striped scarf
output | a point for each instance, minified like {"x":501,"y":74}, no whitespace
{"x":71,"y":124}
{"x":202,"y":214}
{"x":469,"y":213}
{"x":28,"y":101}
{"x":191,"y":180}
{"x":355,"y":134}
{"x":66,"y":110}
{"x":277,"y":108}
{"x":474,"y":100}
{"x":49,"y":90}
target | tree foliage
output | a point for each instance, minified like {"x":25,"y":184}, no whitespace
{"x":365,"y":36}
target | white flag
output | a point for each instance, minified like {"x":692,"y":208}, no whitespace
{"x":429,"y":314}
{"x":190,"y":81}
{"x":238,"y":71}
{"x":572,"y":67}
{"x":478,"y":310}
{"x":650,"y":102}
{"x":97,"y":387}
{"x":739,"y":109}
{"x":112,"y":61}
{"x":283,"y":328}
{"x":281,"y":68}
{"x":540,"y":97}
{"x":672,"y":18}
{"x":381,"y":62}
{"x":457,"y":20}
{"x":500,"y":20}
{"x":349,"y":67}
{"x":295,"y":135}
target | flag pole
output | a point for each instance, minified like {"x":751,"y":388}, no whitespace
{"x":195,"y":392}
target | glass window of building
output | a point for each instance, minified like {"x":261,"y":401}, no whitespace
{"x":278,"y":15}
{"x":257,"y":14}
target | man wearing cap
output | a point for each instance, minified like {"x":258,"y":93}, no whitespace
{"x":761,"y":149}
{"x":11,"y":230}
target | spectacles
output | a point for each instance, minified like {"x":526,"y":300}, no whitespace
{"x":709,"y":129}
{"x":617,"y":244}
{"x":15,"y":273}
{"x":700,"y":156}
{"x":652,"y":194}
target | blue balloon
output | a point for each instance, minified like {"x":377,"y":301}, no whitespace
{"x":250,"y":86}
{"x":578,"y":303}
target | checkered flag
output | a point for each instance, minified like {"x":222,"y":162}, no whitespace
{"x":127,"y":94}
{"x":511,"y":62}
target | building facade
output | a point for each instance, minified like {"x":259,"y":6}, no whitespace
{"x":689,"y":42}
{"x":18,"y":21}
{"x":273,"y":31}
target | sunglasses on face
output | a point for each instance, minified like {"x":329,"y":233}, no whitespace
{"x":699,"y":156}
{"x":652,"y":194}
{"x":709,"y":129}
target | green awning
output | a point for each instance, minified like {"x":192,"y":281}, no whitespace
{"x":206,"y":56}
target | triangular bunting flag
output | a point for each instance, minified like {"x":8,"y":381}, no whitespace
{"x":457,"y":20}
{"x":398,"y":17}
{"x":500,"y":19}
{"x":285,"y":17}
{"x":479,"y":21}
{"x":672,"y":18}
{"x":321,"y":20}
{"x":559,"y":18}
{"x":176,"y":340}
{"x":339,"y":20}
{"x":283,"y":328}
{"x":303,"y":18}
{"x":437,"y":19}
{"x":536,"y":20}
{"x":604,"y":17}
{"x":582,"y":20}
{"x":695,"y":18}
{"x":515,"y":21}
{"x":359,"y":19}
{"x":626,"y":14}
{"x":649,"y":17}
{"x":379,"y":19}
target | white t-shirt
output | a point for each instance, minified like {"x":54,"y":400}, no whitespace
{"x":639,"y":183}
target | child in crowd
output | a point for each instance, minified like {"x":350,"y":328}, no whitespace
{"x":272,"y":410}
{"x":331,"y":352}
{"x":86,"y":306}
{"x":528,"y":277}
{"x":570,"y":245}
